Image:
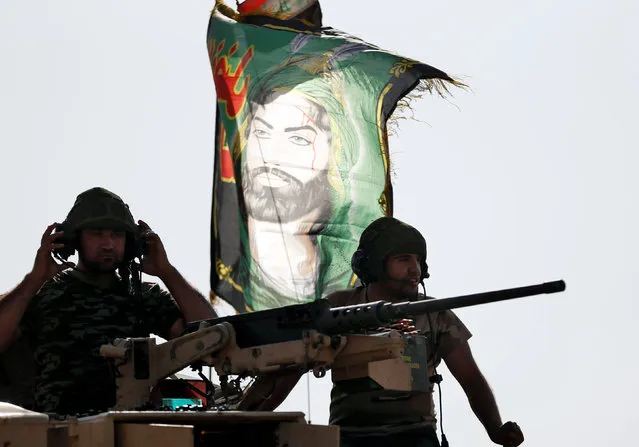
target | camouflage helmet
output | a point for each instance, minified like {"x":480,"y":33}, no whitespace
{"x":384,"y":237}
{"x":99,"y":208}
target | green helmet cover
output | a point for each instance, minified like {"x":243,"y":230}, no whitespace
{"x":387,"y":236}
{"x":99,"y":208}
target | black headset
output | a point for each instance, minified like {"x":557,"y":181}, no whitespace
{"x":135,"y":246}
{"x":367,"y":270}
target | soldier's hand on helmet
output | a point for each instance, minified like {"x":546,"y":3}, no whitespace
{"x":508,"y":435}
{"x":155,"y":261}
{"x":44,"y":266}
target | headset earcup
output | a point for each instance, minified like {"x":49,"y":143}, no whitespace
{"x":68,"y":240}
{"x":135,"y":246}
{"x":425,"y":273}
{"x":130,"y":247}
{"x":359,"y":264}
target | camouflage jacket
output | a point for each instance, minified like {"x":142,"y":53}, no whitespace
{"x":67,"y":322}
{"x":360,"y":403}
{"x":16,"y":374}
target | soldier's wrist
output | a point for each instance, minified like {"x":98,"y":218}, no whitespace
{"x":32,"y":283}
{"x":492,"y":428}
{"x":167,"y":272}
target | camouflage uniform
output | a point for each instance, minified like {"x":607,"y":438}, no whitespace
{"x":371,"y":417}
{"x":16,"y":374}
{"x":67,"y":322}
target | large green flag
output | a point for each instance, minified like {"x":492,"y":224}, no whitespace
{"x":301,"y":164}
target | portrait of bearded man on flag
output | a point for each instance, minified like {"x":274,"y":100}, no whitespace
{"x":299,"y":153}
{"x":301,"y":161}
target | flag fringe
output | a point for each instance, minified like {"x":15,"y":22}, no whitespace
{"x":404,"y":109}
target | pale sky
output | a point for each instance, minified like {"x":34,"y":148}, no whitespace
{"x":528,"y":178}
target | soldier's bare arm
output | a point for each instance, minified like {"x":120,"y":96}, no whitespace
{"x":193,"y":304}
{"x":268,"y":392}
{"x":14,"y":304}
{"x":463,"y":367}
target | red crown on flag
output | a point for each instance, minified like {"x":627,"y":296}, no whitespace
{"x":250,"y":6}
{"x":283,"y":9}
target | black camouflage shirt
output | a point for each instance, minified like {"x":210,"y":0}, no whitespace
{"x":67,"y":322}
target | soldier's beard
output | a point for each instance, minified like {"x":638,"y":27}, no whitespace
{"x":401,"y":290}
{"x":286,"y":203}
{"x":97,"y":267}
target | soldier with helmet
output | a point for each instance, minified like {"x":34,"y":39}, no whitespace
{"x":391,"y":264}
{"x":64,"y":313}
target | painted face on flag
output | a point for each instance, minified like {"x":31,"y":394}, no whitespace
{"x":301,"y":120}
{"x":287,"y":156}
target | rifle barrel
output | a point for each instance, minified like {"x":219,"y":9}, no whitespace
{"x":379,"y":313}
{"x":436,"y":305}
